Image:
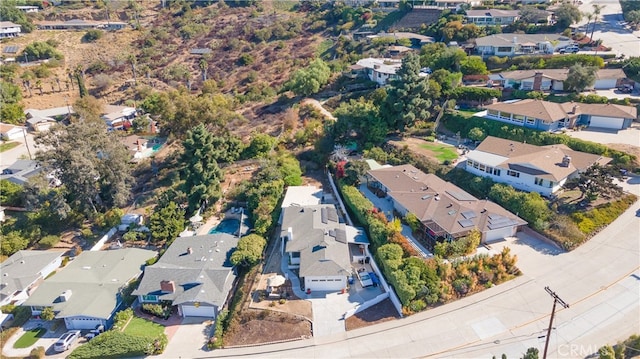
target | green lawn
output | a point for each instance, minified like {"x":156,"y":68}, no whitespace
{"x":29,"y":338}
{"x":143,"y":328}
{"x":441,"y":152}
{"x":6,"y":146}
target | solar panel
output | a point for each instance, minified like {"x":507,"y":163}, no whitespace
{"x":465,"y":223}
{"x":461,"y":195}
{"x":332,"y":214}
{"x":11,"y":49}
{"x":468,"y":214}
{"x":503,"y":224}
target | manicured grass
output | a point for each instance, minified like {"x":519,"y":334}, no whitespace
{"x":6,"y":146}
{"x":143,"y":328}
{"x":467,"y":112}
{"x":29,"y":338}
{"x":441,"y":152}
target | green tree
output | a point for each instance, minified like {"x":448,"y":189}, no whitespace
{"x":201,"y":172}
{"x":309,"y":80}
{"x":532,"y":15}
{"x":597,"y":9}
{"x":11,"y":110}
{"x":166,"y":222}
{"x":91,"y":163}
{"x":228,"y":147}
{"x":40,"y":50}
{"x":606,"y":352}
{"x":633,"y":16}
{"x":359,"y":120}
{"x":580,"y":77}
{"x":11,"y":194}
{"x":290,"y":169}
{"x":477,"y":134}
{"x":248,"y":251}
{"x":353,"y":171}
{"x":567,"y":14}
{"x":532,"y":353}
{"x":473,"y":65}
{"x":12,"y":242}
{"x":407,"y":100}
{"x":260,"y":146}
{"x":594,"y":182}
{"x":92,"y":35}
{"x":47,"y":314}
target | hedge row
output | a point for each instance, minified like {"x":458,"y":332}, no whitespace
{"x":114,"y":344}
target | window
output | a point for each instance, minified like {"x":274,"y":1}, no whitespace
{"x":505,"y":49}
{"x":149,"y":298}
{"x":518,"y":118}
{"x":469,"y":163}
{"x":481,"y":168}
{"x":531,"y":121}
{"x":538,"y":181}
{"x":475,"y":165}
{"x":513,"y":173}
{"x":295,"y":254}
{"x":493,"y":113}
{"x":496,"y":172}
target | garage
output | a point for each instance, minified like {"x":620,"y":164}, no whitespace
{"x":499,"y":234}
{"x":605,"y":84}
{"x":83,"y":323}
{"x":325,"y":284}
{"x":198,"y":310}
{"x":606,"y":122}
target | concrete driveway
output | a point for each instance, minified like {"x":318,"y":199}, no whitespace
{"x":189,"y":339}
{"x":630,"y":136}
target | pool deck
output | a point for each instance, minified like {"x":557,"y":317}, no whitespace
{"x":213,"y":221}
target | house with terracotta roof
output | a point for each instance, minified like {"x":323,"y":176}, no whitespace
{"x":552,"y":116}
{"x":530,"y":168}
{"x":553,"y":79}
{"x":445,"y":211}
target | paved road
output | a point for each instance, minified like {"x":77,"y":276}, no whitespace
{"x":622,"y":40}
{"x":7,"y":158}
{"x":600,"y":280}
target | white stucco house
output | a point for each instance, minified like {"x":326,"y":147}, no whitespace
{"x":21,"y":273}
{"x":10,"y":132}
{"x":542,"y":169}
{"x":9,"y":29}
{"x":520,"y":44}
{"x":553,"y":79}
{"x":491,"y":17}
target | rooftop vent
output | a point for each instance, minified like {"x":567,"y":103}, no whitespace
{"x":566,"y":161}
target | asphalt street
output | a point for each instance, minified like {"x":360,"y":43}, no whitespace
{"x":600,"y":280}
{"x":620,"y":38}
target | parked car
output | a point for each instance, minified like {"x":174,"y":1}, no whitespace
{"x":626,"y":88}
{"x":570,"y":49}
{"x":66,"y":340}
{"x":364,"y":278}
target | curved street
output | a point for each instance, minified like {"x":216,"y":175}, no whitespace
{"x":600,"y":280}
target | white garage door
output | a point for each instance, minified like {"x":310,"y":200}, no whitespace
{"x":325,"y":284}
{"x":606,"y":122}
{"x":498,"y":234}
{"x":198,"y":311}
{"x":605,"y":84}
{"x":82,"y":323}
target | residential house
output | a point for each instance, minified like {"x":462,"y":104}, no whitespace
{"x":42,"y":120}
{"x":378,"y":70}
{"x":28,"y":9}
{"x":519,"y":44}
{"x":9,"y":29}
{"x":445,"y":211}
{"x":551,"y":116}
{"x":80,"y":24}
{"x":88,"y":291}
{"x":23,"y":272}
{"x":21,"y":171}
{"x":453,"y":4}
{"x":10,"y":132}
{"x":195,"y":274}
{"x":542,"y":169}
{"x":118,"y":117}
{"x":417,"y":40}
{"x":303,"y":196}
{"x":553,"y":79}
{"x":492,"y":17}
{"x":316,"y":244}
{"x":137,"y":146}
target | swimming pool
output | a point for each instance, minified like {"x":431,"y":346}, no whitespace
{"x":230,"y":226}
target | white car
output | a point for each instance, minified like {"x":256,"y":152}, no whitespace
{"x":570,"y":49}
{"x":364,"y":278}
{"x":66,"y":340}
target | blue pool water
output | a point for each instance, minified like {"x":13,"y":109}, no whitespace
{"x":231,"y":226}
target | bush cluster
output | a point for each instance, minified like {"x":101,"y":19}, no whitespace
{"x":157,"y":310}
{"x":122,"y":318}
{"x":115,"y":344}
{"x":593,"y":220}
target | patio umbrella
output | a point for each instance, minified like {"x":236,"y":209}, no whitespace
{"x":276,"y":281}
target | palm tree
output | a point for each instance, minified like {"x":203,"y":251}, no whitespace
{"x":589,"y":17}
{"x":39,"y":86}
{"x":203,"y":67}
{"x":596,"y":12}
{"x":57,"y":79}
{"x":131,"y":58}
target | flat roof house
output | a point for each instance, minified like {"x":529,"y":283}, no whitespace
{"x":9,"y":29}
{"x":492,"y":17}
{"x":195,"y":274}
{"x":530,"y":168}
{"x":316,"y":243}
{"x":86,"y":293}
{"x":551,"y":116}
{"x":445,"y":211}
{"x":519,"y":44}
{"x":23,"y":271}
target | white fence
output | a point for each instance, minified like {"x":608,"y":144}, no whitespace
{"x":104,"y":239}
{"x":392,"y":294}
{"x":367,"y":304}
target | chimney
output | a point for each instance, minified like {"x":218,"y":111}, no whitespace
{"x":290,"y":233}
{"x":139,"y":142}
{"x":190,"y":250}
{"x":537,"y":81}
{"x":566,"y":161}
{"x":167,"y":286}
{"x":515,"y":39}
{"x":574,"y":109}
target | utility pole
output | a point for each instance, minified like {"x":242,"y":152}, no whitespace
{"x":556,"y":299}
